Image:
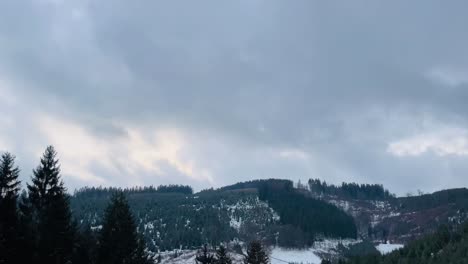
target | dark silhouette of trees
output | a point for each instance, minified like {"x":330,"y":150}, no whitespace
{"x":204,"y":257}
{"x":256,"y":254}
{"x":305,"y":214}
{"x":9,"y":189}
{"x":222,"y":256}
{"x":50,"y":211}
{"x":350,"y":190}
{"x":119,"y":242}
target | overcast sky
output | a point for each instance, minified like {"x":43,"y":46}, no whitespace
{"x":210,"y":93}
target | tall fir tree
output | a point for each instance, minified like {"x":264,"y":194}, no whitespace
{"x":51,"y":213}
{"x":9,"y":189}
{"x":119,"y":242}
{"x":204,"y":257}
{"x":222,"y":256}
{"x":26,"y":233}
{"x":256,"y":254}
{"x":85,"y":246}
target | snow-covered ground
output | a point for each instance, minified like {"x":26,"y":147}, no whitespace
{"x":282,"y":256}
{"x":277,"y":256}
{"x":387,"y":248}
{"x":188,"y":257}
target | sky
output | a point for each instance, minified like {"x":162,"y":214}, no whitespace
{"x":210,"y":93}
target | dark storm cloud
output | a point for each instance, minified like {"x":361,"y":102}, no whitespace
{"x":253,"y":88}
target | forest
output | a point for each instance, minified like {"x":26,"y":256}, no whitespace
{"x":350,"y":190}
{"x":37,"y":225}
{"x":176,"y":219}
{"x":448,"y":245}
{"x":45,"y":224}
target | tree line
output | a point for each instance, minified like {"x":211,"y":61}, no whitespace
{"x":448,"y":245}
{"x":108,"y":191}
{"x":256,"y":254}
{"x":36,"y":225}
{"x":350,"y":190}
{"x":310,"y":217}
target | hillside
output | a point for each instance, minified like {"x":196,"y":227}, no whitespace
{"x":271,"y":210}
{"x":448,"y":245}
{"x":382,"y":216}
{"x":304,"y":216}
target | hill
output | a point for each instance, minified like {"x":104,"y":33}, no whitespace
{"x":380,"y":215}
{"x":277,"y":212}
{"x":270,"y":210}
{"x":448,"y":245}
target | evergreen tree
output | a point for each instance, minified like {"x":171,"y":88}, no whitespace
{"x":256,"y":254}
{"x":85,"y":247}
{"x":51,"y":213}
{"x":119,"y":242}
{"x":204,"y":257}
{"x":26,"y":232}
{"x":222,"y":256}
{"x":46,"y":182}
{"x":9,"y":188}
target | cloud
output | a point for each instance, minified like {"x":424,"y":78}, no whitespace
{"x":124,"y":157}
{"x":441,"y":143}
{"x":449,"y":76}
{"x":212,"y":93}
{"x":293,"y":154}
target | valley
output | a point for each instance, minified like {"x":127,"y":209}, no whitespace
{"x":291,"y":219}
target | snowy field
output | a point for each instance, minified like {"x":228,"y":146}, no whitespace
{"x":277,"y":256}
{"x":282,"y":256}
{"x":387,"y":248}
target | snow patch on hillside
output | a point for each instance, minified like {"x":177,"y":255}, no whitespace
{"x":248,"y":207}
{"x":387,"y":248}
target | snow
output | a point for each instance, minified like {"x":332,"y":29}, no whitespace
{"x":94,"y":228}
{"x":188,"y":257}
{"x":149,"y":226}
{"x":281,"y":256}
{"x":236,"y":224}
{"x":277,"y":256}
{"x":330,"y":244}
{"x":387,"y":248}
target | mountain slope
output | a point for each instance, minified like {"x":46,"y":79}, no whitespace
{"x":382,"y":216}
{"x":447,"y":245}
{"x":271,"y":210}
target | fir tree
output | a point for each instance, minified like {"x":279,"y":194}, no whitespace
{"x":26,"y":232}
{"x":256,"y":254}
{"x":222,"y":256}
{"x":204,"y":257}
{"x":119,"y":242}
{"x":51,"y":213}
{"x":9,"y":183}
{"x":85,"y":247}
{"x":9,"y":188}
{"x":46,"y":182}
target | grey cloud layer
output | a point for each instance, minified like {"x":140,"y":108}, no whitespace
{"x":258,"y":88}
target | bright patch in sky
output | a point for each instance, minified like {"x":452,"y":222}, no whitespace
{"x":441,"y":143}
{"x":132,"y":153}
{"x":450,"y":76}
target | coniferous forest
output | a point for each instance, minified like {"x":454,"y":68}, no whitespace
{"x":43,"y":223}
{"x":447,"y":245}
{"x":36,"y":225}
